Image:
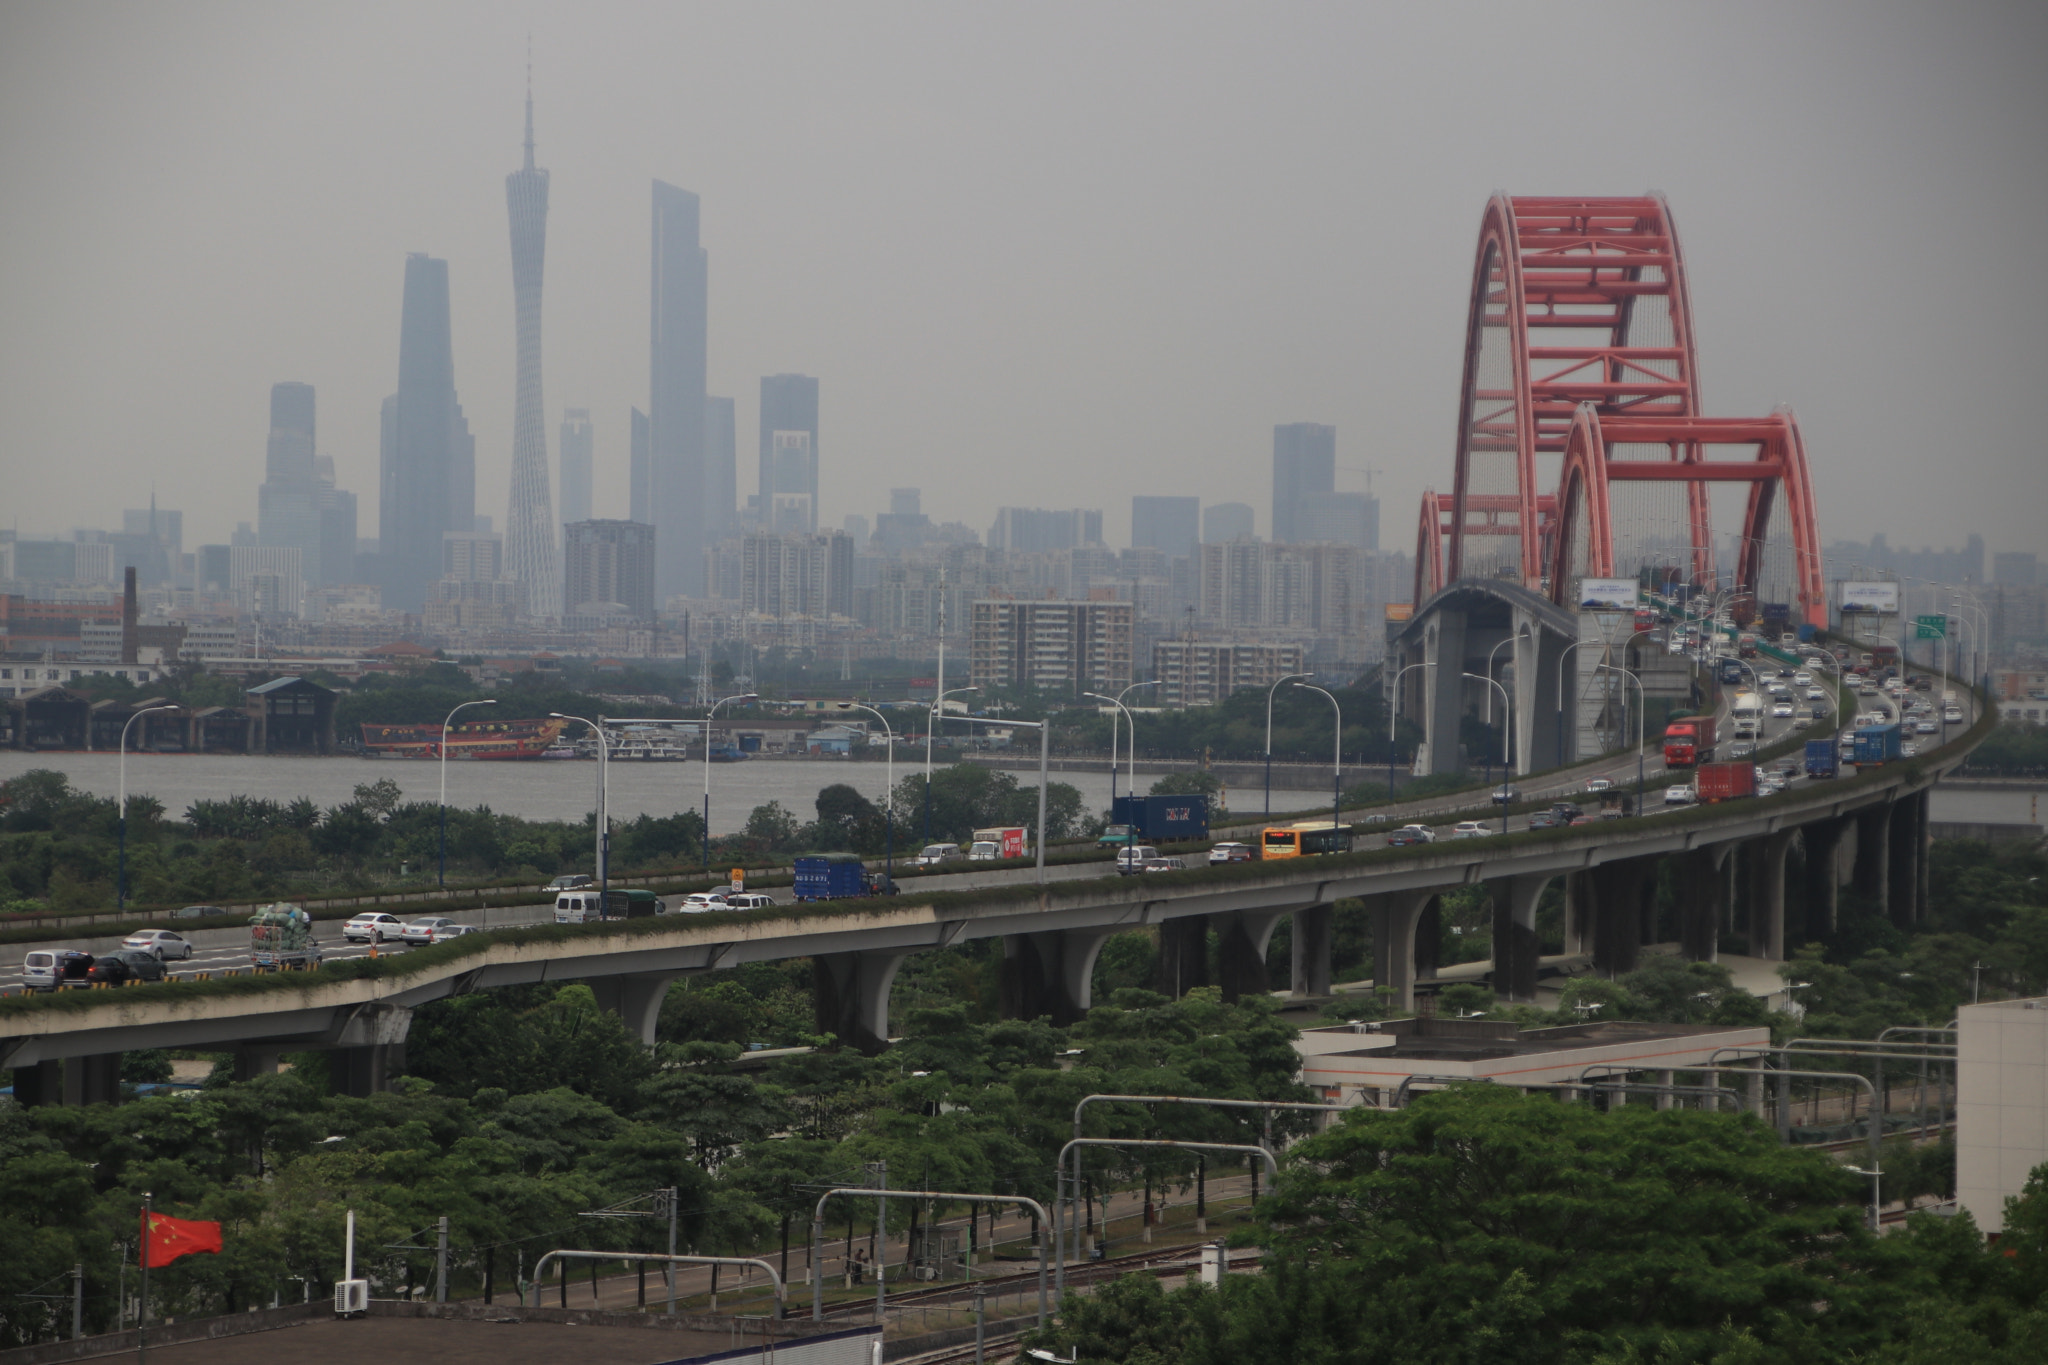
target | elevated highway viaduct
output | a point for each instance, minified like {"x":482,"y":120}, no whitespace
{"x":1868,"y":832}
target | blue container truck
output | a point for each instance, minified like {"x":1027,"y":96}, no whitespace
{"x":1878,"y":744}
{"x":836,"y":876}
{"x":1821,"y":760}
{"x":1156,"y":819}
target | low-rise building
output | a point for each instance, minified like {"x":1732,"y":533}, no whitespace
{"x":2001,"y":1104}
{"x":1205,"y":672}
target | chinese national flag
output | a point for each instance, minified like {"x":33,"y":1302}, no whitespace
{"x":165,"y":1239}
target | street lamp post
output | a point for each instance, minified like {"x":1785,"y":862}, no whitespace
{"x":1044,"y":728}
{"x":121,"y":876}
{"x":1876,"y":1176}
{"x":603,"y":852}
{"x":1393,"y":713}
{"x":1269,"y":739}
{"x":1336,"y":757}
{"x":442,"y":878}
{"x":1641,"y":706}
{"x":1561,"y":655}
{"x":889,"y":801}
{"x":932,"y":720}
{"x":1118,"y":700}
{"x":1505,"y":712}
{"x":708,"y":717}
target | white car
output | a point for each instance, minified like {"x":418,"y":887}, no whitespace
{"x":373,"y":927}
{"x":1952,"y":715}
{"x":1908,"y":750}
{"x":1926,"y":727}
{"x":422,"y":930}
{"x":1679,"y":796}
{"x":1816,"y":694}
{"x":1470,"y":829}
{"x":1130,"y":859}
{"x":164,"y":943}
{"x":934,"y":854}
{"x":1782,"y":711}
{"x":748,"y":900}
{"x":1803,"y":678}
{"x":1600,"y":784}
{"x":449,"y":929}
{"x":698,"y":902}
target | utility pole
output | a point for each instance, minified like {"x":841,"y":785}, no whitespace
{"x":441,"y":1264}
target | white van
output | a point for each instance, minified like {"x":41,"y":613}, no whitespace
{"x":579,"y":907}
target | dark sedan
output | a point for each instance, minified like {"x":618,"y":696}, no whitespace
{"x":128,"y":964}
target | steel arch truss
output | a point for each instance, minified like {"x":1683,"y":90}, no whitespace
{"x":1772,"y":462}
{"x":1581,"y":305}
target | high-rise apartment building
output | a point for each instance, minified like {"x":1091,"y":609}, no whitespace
{"x":606,"y":563}
{"x":1252,"y":585}
{"x":797,"y":575}
{"x":640,"y":472}
{"x":1340,"y":519}
{"x":789,"y":453}
{"x":1028,"y":529}
{"x":477,"y":589}
{"x":1205,"y":672}
{"x":579,"y":459}
{"x":1171,"y":525}
{"x":721,"y":467}
{"x":1227,"y":521}
{"x":427,"y":481}
{"x":266,"y":580}
{"x":531,"y":539}
{"x":677,"y":360}
{"x":1304,"y":470}
{"x":1059,"y":648}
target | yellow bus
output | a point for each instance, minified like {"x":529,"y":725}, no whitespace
{"x":1304,"y":838}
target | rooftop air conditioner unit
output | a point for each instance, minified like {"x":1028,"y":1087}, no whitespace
{"x":351,"y":1298}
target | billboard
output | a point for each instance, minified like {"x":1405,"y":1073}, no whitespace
{"x":1878,"y":597}
{"x":1607,"y":594}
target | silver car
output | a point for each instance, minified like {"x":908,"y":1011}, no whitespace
{"x":163,"y":942}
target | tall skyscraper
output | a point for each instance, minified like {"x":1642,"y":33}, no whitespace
{"x":298,"y":505}
{"x":679,"y":328}
{"x":640,"y":471}
{"x":530,"y":531}
{"x":428,"y":466}
{"x":1304,"y":468}
{"x":721,"y":467}
{"x":1171,"y":525}
{"x":1226,"y":521}
{"x":789,"y":453}
{"x":579,"y":449}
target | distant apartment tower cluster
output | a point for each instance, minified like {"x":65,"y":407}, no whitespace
{"x":1205,"y":672}
{"x":609,"y":569}
{"x":1058,"y":648}
{"x":1307,"y":507}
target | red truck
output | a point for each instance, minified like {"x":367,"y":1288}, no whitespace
{"x":1689,"y":741}
{"x":1726,"y":781}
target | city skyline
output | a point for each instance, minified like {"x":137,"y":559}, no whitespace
{"x":1171,"y":376}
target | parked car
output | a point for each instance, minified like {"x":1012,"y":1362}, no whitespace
{"x":1411,"y":834}
{"x":934,"y":854}
{"x":748,"y":900}
{"x":1165,"y":865}
{"x":1470,"y":829}
{"x":123,"y":965}
{"x":448,"y":930}
{"x":1230,"y":853}
{"x":48,"y":968}
{"x":422,"y":930}
{"x":373,"y":926}
{"x":1131,"y":858}
{"x":570,"y":881}
{"x":165,"y":943}
{"x":199,"y":912}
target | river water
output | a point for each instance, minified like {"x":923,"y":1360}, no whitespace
{"x":541,"y":789}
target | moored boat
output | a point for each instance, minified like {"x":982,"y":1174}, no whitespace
{"x":481,"y":739}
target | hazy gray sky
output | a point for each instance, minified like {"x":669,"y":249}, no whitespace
{"x":1052,"y":254}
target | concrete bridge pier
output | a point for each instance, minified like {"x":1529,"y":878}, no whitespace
{"x":636,"y":998}
{"x":1904,"y":859}
{"x":1397,"y":956}
{"x":1870,"y":878}
{"x":1183,"y":962}
{"x":39,"y":1083}
{"x":1767,"y":895}
{"x":253,"y":1062}
{"x":1822,"y":842}
{"x":71,"y":1081}
{"x":1516,"y":949}
{"x":1443,"y":645}
{"x":1051,"y":974}
{"x":1310,"y":974}
{"x":1623,"y":894}
{"x":1242,"y":938}
{"x":1700,"y":880}
{"x":851,"y":994}
{"x":360,"y":1072}
{"x":1538,"y":652}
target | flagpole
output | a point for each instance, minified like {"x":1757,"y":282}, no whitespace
{"x":142,"y":1318}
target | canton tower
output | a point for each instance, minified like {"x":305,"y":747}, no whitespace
{"x":530,"y":542}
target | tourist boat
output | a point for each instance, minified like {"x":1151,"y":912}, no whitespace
{"x":481,"y":739}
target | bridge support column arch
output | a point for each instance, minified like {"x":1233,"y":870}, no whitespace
{"x":1397,"y":959}
{"x":1622,"y":892}
{"x":1537,"y":654}
{"x":1051,"y":974}
{"x":1310,"y":974}
{"x":1767,"y":895}
{"x":1871,"y":877}
{"x":1701,"y":882}
{"x":1183,"y":962}
{"x":635,"y":998}
{"x":1443,"y":686}
{"x":1907,"y":832}
{"x":1242,"y":937}
{"x":1516,"y":950}
{"x":1823,"y":843}
{"x":851,"y":994}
